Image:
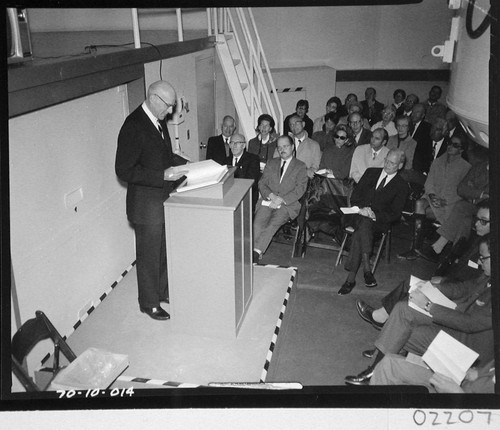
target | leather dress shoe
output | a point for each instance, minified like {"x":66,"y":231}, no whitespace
{"x":365,"y":311}
{"x":369,"y":353}
{"x":362,"y":379}
{"x":346,"y":288}
{"x":156,"y":313}
{"x":428,"y":253}
{"x":370,"y":280}
{"x":408,"y":255}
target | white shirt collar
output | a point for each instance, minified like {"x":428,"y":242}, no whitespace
{"x":150,"y":115}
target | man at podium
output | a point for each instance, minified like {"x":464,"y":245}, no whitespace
{"x":283,"y":183}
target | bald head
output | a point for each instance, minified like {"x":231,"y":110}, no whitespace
{"x":237,"y":144}
{"x":161,"y":99}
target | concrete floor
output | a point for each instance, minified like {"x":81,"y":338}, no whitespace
{"x":322,"y":337}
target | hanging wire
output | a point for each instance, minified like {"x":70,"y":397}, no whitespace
{"x":474,"y":34}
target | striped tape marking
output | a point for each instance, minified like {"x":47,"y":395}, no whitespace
{"x":288,"y":90}
{"x":94,"y":306}
{"x":125,"y":378}
{"x":280,"y":320}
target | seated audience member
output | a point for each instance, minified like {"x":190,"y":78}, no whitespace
{"x":372,"y":155}
{"x":441,"y":197}
{"x":403,"y":141}
{"x":301,"y":110}
{"x":433,"y":108}
{"x":336,"y":158}
{"x":351,"y":97}
{"x":473,"y":187}
{"x":325,"y":136}
{"x":412,"y":331}
{"x":410,"y":101}
{"x":332,"y":105}
{"x":372,"y":108}
{"x":354,"y":107}
{"x":380,"y":194}
{"x":361,"y":134}
{"x":430,"y":149}
{"x":458,"y":269}
{"x":306,"y":149}
{"x":247,"y":164}
{"x":218,"y":146}
{"x":399,"y":97}
{"x":387,"y":122}
{"x":283,"y":183}
{"x":264,"y":144}
{"x":454,"y":126}
{"x":421,"y":133}
{"x":396,"y":370}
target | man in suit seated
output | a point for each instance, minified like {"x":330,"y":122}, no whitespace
{"x":362,"y":135}
{"x":413,"y":331}
{"x":247,"y":164}
{"x":420,"y":132}
{"x":283,"y":183}
{"x":372,"y":155}
{"x":306,"y":149}
{"x":301,"y":110}
{"x":372,"y":108}
{"x":218,"y":146}
{"x":433,"y":108}
{"x":380,"y":194}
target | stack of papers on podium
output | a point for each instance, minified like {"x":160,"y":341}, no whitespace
{"x":431,"y":292}
{"x":201,"y":174}
{"x":449,"y":357}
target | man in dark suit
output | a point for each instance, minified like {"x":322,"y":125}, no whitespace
{"x":144,"y":160}
{"x":421,"y":133}
{"x":372,"y":108}
{"x":430,"y":149}
{"x":218,"y":146}
{"x":283,"y":183}
{"x":380,"y":194}
{"x":413,"y":331}
{"x":248,"y":165}
{"x":301,"y":110}
{"x":361,"y":134}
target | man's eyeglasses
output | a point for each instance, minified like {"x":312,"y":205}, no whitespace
{"x":239,"y":141}
{"x":481,"y":221}
{"x":456,"y":144}
{"x":483,"y":259}
{"x":336,"y":136}
{"x":167,"y":104}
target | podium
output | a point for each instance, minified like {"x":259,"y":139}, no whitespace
{"x":209,"y":257}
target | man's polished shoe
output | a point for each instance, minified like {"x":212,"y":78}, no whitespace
{"x":365,"y":311}
{"x":346,"y":288}
{"x":369,"y":353}
{"x":362,"y":379}
{"x":428,"y":253}
{"x":370,"y":281}
{"x":156,"y":313}
{"x":408,"y":255}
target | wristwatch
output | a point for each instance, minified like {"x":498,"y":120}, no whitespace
{"x":427,"y":306}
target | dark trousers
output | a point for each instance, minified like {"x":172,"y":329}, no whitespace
{"x":397,"y":294}
{"x":361,"y":239}
{"x":151,"y":261}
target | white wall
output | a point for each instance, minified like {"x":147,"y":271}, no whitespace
{"x":355,"y":37}
{"x":63,"y":258}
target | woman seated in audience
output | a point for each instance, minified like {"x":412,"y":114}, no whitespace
{"x":325,"y":136}
{"x":388,"y":115}
{"x":264,"y":144}
{"x":336,"y":159}
{"x":332,"y":105}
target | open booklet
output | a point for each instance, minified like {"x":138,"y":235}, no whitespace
{"x":201,"y":174}
{"x":323,"y":172}
{"x":351,"y":210}
{"x":431,"y":292}
{"x":449,"y":357}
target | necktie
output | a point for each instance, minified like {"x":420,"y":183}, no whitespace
{"x":374,"y":154}
{"x":160,"y":129}
{"x":382,"y":183}
{"x":434,"y":144}
{"x":235,"y":161}
{"x":282,"y":168}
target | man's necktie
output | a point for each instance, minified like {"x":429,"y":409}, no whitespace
{"x":382,"y":183}
{"x":282,"y":169}
{"x":374,"y":154}
{"x":160,"y":129}
{"x":235,"y":161}
{"x":434,"y":144}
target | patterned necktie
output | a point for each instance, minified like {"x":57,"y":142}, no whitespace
{"x":282,"y":169}
{"x":160,"y":129}
{"x":434,"y":149}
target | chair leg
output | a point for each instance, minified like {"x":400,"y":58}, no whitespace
{"x":388,"y":247}
{"x":379,"y":251}
{"x":341,"y":250}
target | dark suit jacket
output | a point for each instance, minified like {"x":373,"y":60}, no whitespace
{"x":423,"y":151}
{"x":248,"y":167}
{"x":216,"y":149}
{"x":291,"y":188}
{"x":377,"y":112}
{"x":308,"y":125}
{"x":365,"y":137}
{"x":387,"y":203}
{"x":141,"y":157}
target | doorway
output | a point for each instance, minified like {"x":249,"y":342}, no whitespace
{"x":205,"y":89}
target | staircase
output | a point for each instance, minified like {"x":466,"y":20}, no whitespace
{"x":245,"y":67}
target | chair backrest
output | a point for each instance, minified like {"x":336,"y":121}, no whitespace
{"x":29,"y":334}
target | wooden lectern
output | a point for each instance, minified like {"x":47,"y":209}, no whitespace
{"x":209,"y":254}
